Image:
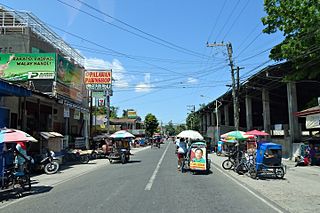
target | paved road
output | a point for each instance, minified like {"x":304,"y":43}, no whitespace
{"x":144,"y":185}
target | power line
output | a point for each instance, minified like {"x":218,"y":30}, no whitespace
{"x":165,"y":43}
{"x":213,"y":27}
{"x":234,"y":8}
{"x":235,"y":20}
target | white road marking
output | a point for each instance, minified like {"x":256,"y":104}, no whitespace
{"x":249,"y":190}
{"x":149,"y":184}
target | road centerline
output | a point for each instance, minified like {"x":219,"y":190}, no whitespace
{"x":154,"y":174}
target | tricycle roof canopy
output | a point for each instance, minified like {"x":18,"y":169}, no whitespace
{"x":121,"y":134}
{"x":191,"y":134}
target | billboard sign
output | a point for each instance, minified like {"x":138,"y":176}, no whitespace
{"x":26,"y":66}
{"x":132,"y":114}
{"x":98,"y":79}
{"x":69,"y":74}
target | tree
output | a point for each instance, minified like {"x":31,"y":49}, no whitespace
{"x":180,"y":128}
{"x":170,"y":129}
{"x":299,"y":20}
{"x":193,"y":121}
{"x":151,"y":124}
{"x":114,"y":112}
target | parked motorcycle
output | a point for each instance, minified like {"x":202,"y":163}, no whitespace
{"x":79,"y":155}
{"x":49,"y":163}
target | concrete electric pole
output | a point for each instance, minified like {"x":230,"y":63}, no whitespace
{"x":234,"y":89}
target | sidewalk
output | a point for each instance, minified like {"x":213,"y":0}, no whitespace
{"x":298,"y":192}
{"x":70,"y":171}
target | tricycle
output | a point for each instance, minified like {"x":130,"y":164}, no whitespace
{"x":198,"y":157}
{"x":269,"y":161}
{"x":120,"y":151}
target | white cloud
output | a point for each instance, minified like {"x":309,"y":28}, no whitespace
{"x":118,"y":71}
{"x":145,"y":86}
{"x":192,"y":80}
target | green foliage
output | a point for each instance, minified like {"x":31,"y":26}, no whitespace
{"x":151,"y":124}
{"x":170,"y":129}
{"x":180,"y":128}
{"x":114,"y":112}
{"x":103,"y":111}
{"x":299,"y":20}
{"x":193,"y":121}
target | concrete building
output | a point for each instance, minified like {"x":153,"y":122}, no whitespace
{"x":59,"y":101}
{"x":267,"y":101}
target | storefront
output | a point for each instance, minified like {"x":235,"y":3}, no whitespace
{"x":9,"y":117}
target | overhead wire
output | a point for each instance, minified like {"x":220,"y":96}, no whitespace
{"x":235,"y":20}
{"x":163,"y":42}
{"x":233,"y":10}
{"x":214,"y":26}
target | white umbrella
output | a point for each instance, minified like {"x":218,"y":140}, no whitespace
{"x":190,"y":134}
{"x":122,"y":134}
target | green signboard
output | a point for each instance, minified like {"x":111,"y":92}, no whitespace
{"x":27,"y":66}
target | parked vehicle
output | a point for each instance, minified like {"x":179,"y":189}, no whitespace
{"x":49,"y":163}
{"x":230,"y":162}
{"x":77,"y":155}
{"x":269,"y":160}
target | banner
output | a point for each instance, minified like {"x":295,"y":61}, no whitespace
{"x":313,"y":121}
{"x":198,"y":159}
{"x":26,"y":66}
{"x":69,"y":74}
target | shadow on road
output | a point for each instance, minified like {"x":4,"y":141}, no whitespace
{"x":129,"y":162}
{"x":13,"y":194}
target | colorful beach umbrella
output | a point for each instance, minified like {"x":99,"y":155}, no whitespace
{"x":236,"y":135}
{"x":14,"y":135}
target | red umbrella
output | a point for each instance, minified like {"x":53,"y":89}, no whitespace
{"x":256,"y":133}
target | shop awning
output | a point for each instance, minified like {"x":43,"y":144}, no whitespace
{"x":10,"y":89}
{"x":47,"y":135}
{"x":310,"y":111}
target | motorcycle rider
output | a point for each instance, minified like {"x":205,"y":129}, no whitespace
{"x":181,"y":151}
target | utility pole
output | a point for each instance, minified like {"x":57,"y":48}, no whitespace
{"x":192,"y":108}
{"x":234,"y":95}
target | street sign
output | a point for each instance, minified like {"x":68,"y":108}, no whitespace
{"x":97,"y":87}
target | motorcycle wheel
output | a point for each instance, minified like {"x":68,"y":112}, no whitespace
{"x":279,"y":172}
{"x":94,"y":156}
{"x":51,"y":168}
{"x":227,"y":164}
{"x":84,"y":159}
{"x":123,"y":158}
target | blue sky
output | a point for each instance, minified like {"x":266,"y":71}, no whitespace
{"x":162,"y":79}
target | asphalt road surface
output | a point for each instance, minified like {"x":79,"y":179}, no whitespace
{"x":149,"y":183}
